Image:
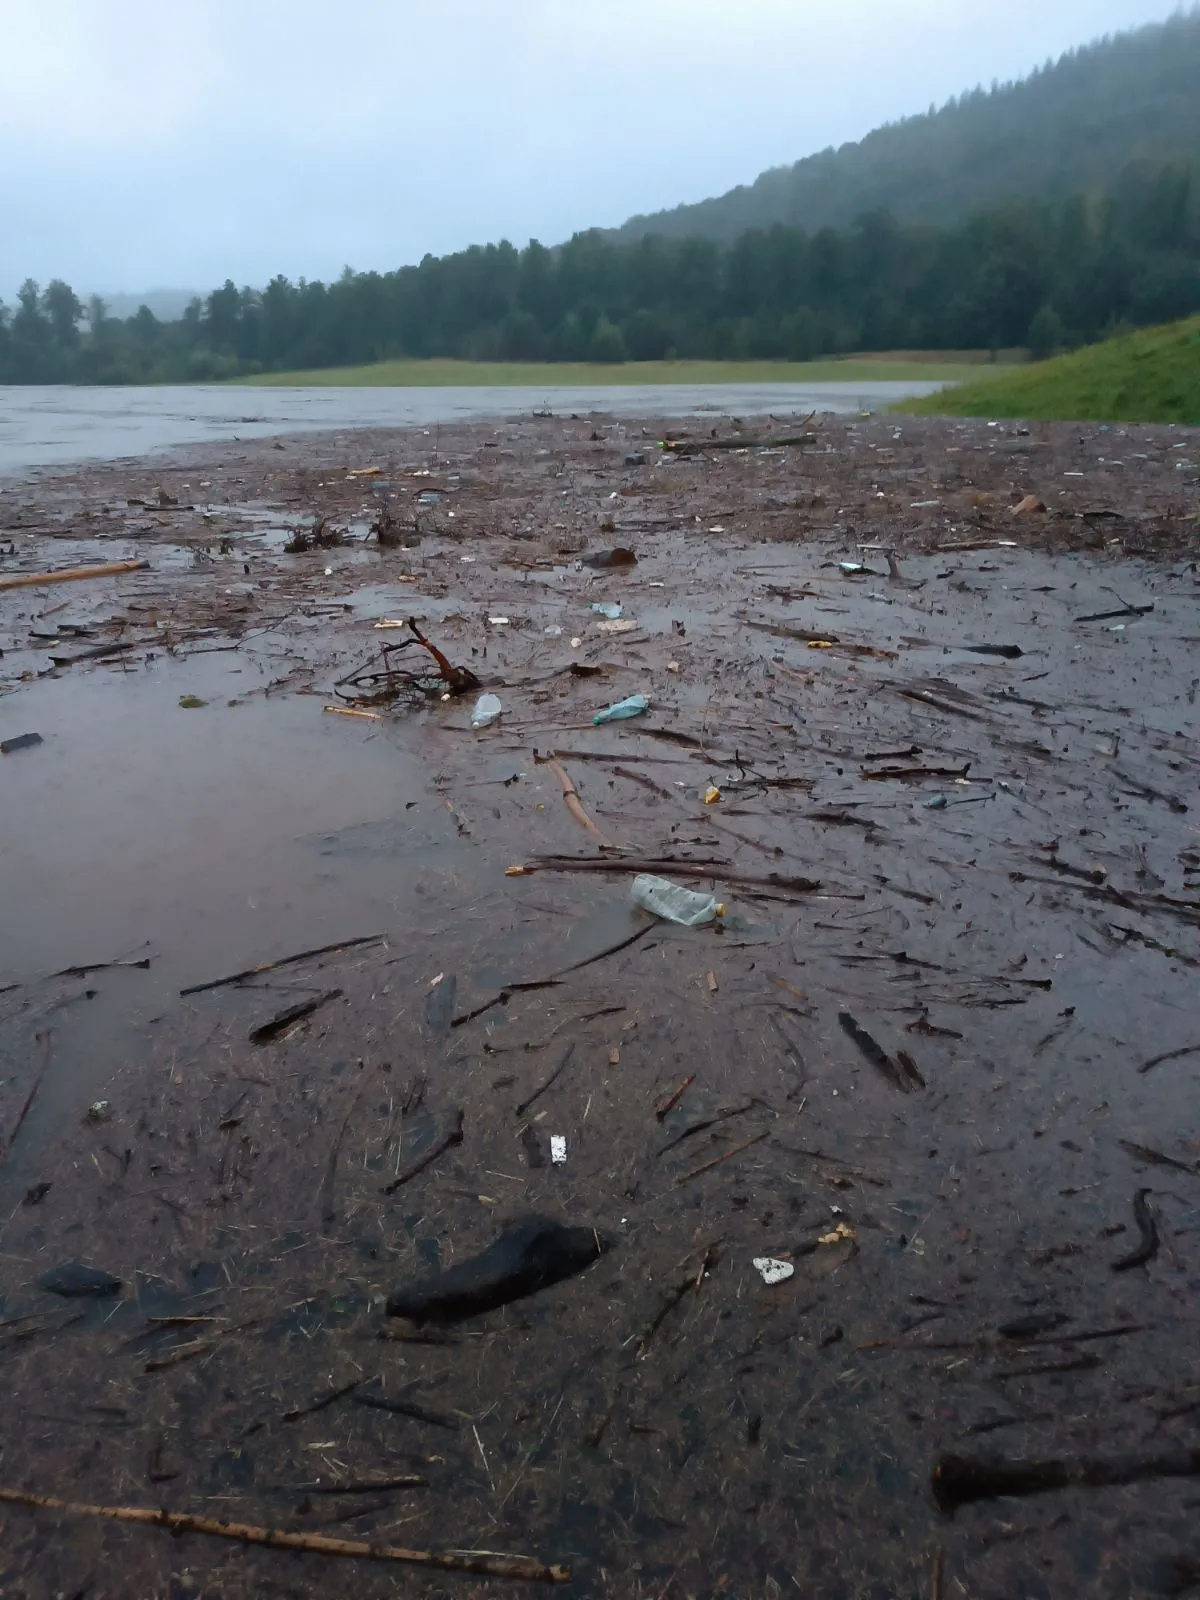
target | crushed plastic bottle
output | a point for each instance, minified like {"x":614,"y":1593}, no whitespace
{"x":607,"y":608}
{"x":487,"y":710}
{"x":673,"y":903}
{"x":633,"y":706}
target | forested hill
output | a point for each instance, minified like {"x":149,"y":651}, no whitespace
{"x":1067,"y":128}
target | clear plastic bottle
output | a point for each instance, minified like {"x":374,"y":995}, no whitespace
{"x":487,"y":710}
{"x":673,"y":903}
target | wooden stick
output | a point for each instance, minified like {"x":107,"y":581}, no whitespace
{"x":284,"y":961}
{"x":347,"y":711}
{"x":110,"y":569}
{"x":574,"y":804}
{"x":668,"y":1102}
{"x":6,"y":1148}
{"x":542,"y":1087}
{"x":717,"y":1160}
{"x":452,"y":1136}
{"x":484,"y":1564}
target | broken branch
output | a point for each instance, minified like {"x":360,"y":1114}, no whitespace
{"x":482,"y":1565}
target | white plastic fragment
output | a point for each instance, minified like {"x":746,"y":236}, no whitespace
{"x":773,"y":1271}
{"x":558,"y":1149}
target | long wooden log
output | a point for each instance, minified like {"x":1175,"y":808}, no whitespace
{"x":482,"y":1563}
{"x":34,"y":580}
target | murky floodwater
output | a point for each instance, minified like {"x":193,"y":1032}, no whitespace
{"x":51,"y":425}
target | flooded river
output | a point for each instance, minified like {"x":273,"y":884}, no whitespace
{"x":42,"y":427}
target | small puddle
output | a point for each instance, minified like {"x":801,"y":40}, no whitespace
{"x":203,"y":838}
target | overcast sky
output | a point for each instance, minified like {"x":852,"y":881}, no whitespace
{"x":148,"y":143}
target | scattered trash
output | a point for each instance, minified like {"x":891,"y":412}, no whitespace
{"x":22,"y":741}
{"x":634,"y":705}
{"x":498,"y":622}
{"x":614,"y":626}
{"x":74,"y":1281}
{"x":672,"y":903}
{"x":606,"y":608}
{"x":773,"y":1272}
{"x":553,"y":633}
{"x":600,"y":560}
{"x":528,"y":1256}
{"x":191,"y":702}
{"x":1029,"y":504}
{"x":672,"y":666}
{"x":429,"y":497}
{"x":712,"y":795}
{"x":516,"y":872}
{"x":558,"y":1149}
{"x":487,"y":710}
{"x":99,"y":1111}
{"x":636,"y":460}
{"x":840,"y":1231}
{"x":938,"y":803}
{"x":1010,"y":652}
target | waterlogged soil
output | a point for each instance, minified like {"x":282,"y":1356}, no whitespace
{"x":944,"y":1035}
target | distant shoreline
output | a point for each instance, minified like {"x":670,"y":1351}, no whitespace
{"x":904,"y":366}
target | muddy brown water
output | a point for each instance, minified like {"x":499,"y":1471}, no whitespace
{"x":666,"y":1422}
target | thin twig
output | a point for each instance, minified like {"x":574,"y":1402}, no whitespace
{"x":483,"y":1565}
{"x":284,"y":961}
{"x":716,"y":1162}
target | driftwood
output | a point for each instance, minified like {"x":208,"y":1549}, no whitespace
{"x":573,"y":802}
{"x":482,"y":1564}
{"x":452,"y":1136}
{"x":266,"y":1031}
{"x":284,"y":961}
{"x":958,"y":1480}
{"x":31,"y":580}
{"x":695,"y":447}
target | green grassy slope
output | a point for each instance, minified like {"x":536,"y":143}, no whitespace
{"x":1067,"y":127}
{"x":565,"y":374}
{"x":1149,"y":376}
